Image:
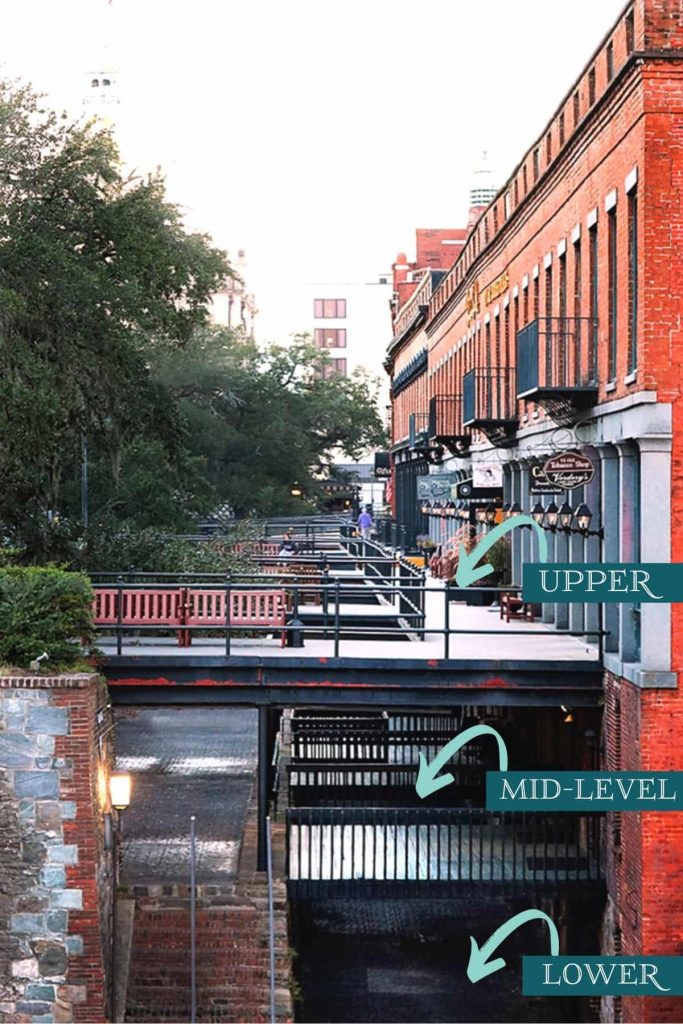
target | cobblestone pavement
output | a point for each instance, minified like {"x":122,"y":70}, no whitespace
{"x":185,"y":761}
{"x":406,"y":960}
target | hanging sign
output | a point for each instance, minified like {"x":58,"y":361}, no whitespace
{"x":436,"y":486}
{"x":487,"y":474}
{"x":382,"y":465}
{"x":569,"y":470}
{"x":539,"y":482}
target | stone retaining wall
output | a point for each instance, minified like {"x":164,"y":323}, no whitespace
{"x":55,"y":877}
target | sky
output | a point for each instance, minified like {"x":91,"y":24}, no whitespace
{"x":315,"y":135}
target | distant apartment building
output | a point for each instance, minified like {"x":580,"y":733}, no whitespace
{"x":348,"y":320}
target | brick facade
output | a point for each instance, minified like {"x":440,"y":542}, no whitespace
{"x":588,"y":230}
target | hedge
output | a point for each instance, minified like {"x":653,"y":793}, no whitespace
{"x":44,"y":609}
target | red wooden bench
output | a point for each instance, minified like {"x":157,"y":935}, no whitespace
{"x":175,"y":609}
{"x":247,"y":608}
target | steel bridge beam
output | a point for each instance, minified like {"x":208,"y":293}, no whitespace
{"x":347,"y":682}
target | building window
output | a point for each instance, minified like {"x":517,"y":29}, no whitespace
{"x":578,"y":269}
{"x":560,"y":128}
{"x":609,"y":54}
{"x":593,"y":299}
{"x":507,"y":206}
{"x":339,"y":366}
{"x":516,"y":191}
{"x":330,"y":337}
{"x":525,"y":307}
{"x":630,"y":32}
{"x":329,"y":309}
{"x":549,"y":333}
{"x":525,"y":179}
{"x":535,"y":299}
{"x":548,"y":148}
{"x":537,"y":163}
{"x":495,"y":219}
{"x":591,"y":86}
{"x":632,"y":365}
{"x":577,"y":108}
{"x":612,"y":293}
{"x":563,"y":356}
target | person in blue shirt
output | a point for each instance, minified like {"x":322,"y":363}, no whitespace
{"x":365,"y":524}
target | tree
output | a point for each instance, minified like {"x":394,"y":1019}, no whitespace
{"x":96,"y":273}
{"x":266,"y":419}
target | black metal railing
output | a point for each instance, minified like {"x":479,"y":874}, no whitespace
{"x":418,"y":423}
{"x":406,"y":593}
{"x":489,"y":395}
{"x":372,"y":784}
{"x":446,"y":416}
{"x":557,"y":354}
{"x":437,"y":851}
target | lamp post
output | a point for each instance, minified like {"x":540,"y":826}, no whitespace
{"x":119,"y":799}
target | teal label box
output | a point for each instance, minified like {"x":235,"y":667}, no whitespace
{"x":584,"y":791}
{"x":602,"y":976}
{"x":603,"y":582}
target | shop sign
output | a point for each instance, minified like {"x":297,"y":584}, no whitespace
{"x":436,"y":487}
{"x":496,"y":288}
{"x":382,"y":465}
{"x":568,"y":470}
{"x":487,"y":474}
{"x":538,"y":481}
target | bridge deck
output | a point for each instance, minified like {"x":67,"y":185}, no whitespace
{"x":516,"y":641}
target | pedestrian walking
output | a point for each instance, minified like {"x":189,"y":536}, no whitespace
{"x":365,"y":524}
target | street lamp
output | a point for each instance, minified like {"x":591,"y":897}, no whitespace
{"x":566,"y":515}
{"x":119,"y":790}
{"x":514,"y":510}
{"x":538,"y":513}
{"x":296,"y":491}
{"x":119,"y":798}
{"x":552,"y":514}
{"x":490,"y":514}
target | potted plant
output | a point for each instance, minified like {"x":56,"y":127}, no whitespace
{"x":497,"y":556}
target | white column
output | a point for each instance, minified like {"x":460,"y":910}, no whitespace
{"x":655,"y":546}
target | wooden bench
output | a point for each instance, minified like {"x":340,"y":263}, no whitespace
{"x":514,"y":607}
{"x":301,"y":573}
{"x":247,"y":608}
{"x":185,"y":606}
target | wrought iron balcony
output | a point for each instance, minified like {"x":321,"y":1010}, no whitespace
{"x":445,"y":423}
{"x":557,"y":365}
{"x":489,"y":403}
{"x":419,"y":437}
{"x":417,"y":429}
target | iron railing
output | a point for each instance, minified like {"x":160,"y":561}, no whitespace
{"x":438,"y":851}
{"x":557,"y":354}
{"x":489,"y":395}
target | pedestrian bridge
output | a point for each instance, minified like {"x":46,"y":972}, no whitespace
{"x":438,"y":851}
{"x":350,"y":620}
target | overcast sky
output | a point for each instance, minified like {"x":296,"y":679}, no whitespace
{"x":314,"y":134}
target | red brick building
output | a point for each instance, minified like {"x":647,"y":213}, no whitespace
{"x":557,"y":327}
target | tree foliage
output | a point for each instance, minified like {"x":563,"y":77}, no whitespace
{"x":105,"y":340}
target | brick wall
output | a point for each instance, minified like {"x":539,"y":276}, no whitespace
{"x":54,"y":900}
{"x":644,"y":731}
{"x":233,"y":965}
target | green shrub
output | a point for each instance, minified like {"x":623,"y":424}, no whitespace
{"x":43,"y":609}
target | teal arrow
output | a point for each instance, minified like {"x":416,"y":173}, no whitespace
{"x":468,"y":572}
{"x":480,"y":966}
{"x":426,"y":781}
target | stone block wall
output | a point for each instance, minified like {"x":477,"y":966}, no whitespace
{"x":55,"y":877}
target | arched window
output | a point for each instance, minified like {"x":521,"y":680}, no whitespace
{"x":106,"y":81}
{"x":95,"y":83}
